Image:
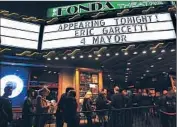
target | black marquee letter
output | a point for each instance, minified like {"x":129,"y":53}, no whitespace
{"x":69,"y":9}
{"x":109,"y":5}
{"x":94,"y":6}
{"x":59,"y":11}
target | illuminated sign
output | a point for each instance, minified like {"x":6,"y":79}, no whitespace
{"x":15,"y":82}
{"x":99,"y":6}
{"x":18,"y":34}
{"x":109,"y":31}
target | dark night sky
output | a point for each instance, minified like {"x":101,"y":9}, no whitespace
{"x":34,"y":8}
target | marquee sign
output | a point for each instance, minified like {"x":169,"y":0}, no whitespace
{"x":99,"y":6}
{"x":109,"y":31}
{"x":18,"y":34}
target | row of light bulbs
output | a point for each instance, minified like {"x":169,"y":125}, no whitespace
{"x":108,"y":54}
{"x":147,"y":71}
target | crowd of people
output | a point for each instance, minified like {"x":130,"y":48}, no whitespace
{"x":67,"y":106}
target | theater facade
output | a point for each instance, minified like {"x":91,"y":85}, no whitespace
{"x":90,"y":46}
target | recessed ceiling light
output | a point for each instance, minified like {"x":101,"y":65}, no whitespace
{"x":147,"y":70}
{"x":128,"y":69}
{"x":96,"y":58}
{"x":126,"y":53}
{"x":99,"y":55}
{"x":56,"y":58}
{"x":107,"y":54}
{"x":172,"y":50}
{"x":171,"y":68}
{"x":72,"y":57}
{"x":81,"y":56}
{"x":48,"y":58}
{"x":159,"y":58}
{"x":135,"y":53}
{"x":153,"y":51}
{"x":152,"y":65}
{"x":116,"y":54}
{"x":64,"y":57}
{"x":89,"y":56}
{"x":144,"y":52}
{"x":163,"y":50}
{"x":128,"y":63}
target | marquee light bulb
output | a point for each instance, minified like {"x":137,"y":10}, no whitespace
{"x":172,"y":50}
{"x":144,"y":52}
{"x":96,"y":58}
{"x":56,"y":58}
{"x":126,"y":53}
{"x":135,"y":53}
{"x":48,"y":58}
{"x":81,"y":56}
{"x":107,"y":54}
{"x":72,"y":57}
{"x":64,"y":57}
{"x":116,"y":54}
{"x":162,"y":51}
{"x":153,"y":51}
{"x":89,"y":56}
{"x":99,"y":55}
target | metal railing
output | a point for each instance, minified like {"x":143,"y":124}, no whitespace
{"x":149,"y":116}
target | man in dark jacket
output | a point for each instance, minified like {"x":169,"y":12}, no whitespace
{"x":102,"y":104}
{"x":117,"y":99}
{"x":167,"y":105}
{"x":70,"y":110}
{"x":28,"y":109}
{"x":126,"y":114}
{"x":60,"y":108}
{"x":116,"y":103}
{"x":6,"y":107}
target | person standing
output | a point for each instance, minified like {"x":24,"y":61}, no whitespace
{"x":28,"y":109}
{"x":60,"y":108}
{"x":102,"y":104}
{"x":146,"y":100}
{"x":6,"y":114}
{"x":126,"y":114}
{"x":167,"y":106}
{"x":116,"y":103}
{"x":42,"y":106}
{"x":117,"y":99}
{"x":87,"y":107}
{"x":70,"y":110}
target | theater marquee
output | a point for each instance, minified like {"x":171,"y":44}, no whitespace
{"x":19,"y":34}
{"x":117,"y":30}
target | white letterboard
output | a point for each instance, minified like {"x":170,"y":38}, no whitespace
{"x":118,"y":30}
{"x":19,"y":34}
